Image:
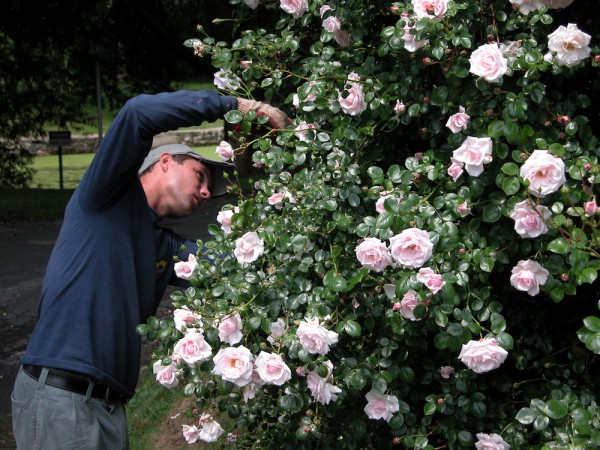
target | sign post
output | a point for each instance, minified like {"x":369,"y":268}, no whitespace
{"x":58,"y":139}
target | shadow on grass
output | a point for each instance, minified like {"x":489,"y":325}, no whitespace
{"x":33,"y":205}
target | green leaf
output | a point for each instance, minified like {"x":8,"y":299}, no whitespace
{"x":559,"y":245}
{"x":592,"y":323}
{"x":491,"y":213}
{"x":352,"y":328}
{"x":526,"y":416}
{"x":510,"y":168}
{"x":334,"y":281}
{"x":234,"y":117}
{"x":511,"y":185}
{"x":556,"y":409}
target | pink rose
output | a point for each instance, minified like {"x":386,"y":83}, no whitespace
{"x":474,"y":153}
{"x":491,"y":441}
{"x":483,"y":355}
{"x":302,"y":131}
{"x":296,"y":8}
{"x":527,"y":6}
{"x":488,"y":62}
{"x":354,"y":102}
{"x":399,"y":108}
{"x":569,"y":46}
{"x":246,"y":63}
{"x":249,"y":248}
{"x":190,"y":433}
{"x":234,"y":364}
{"x":459,"y":121}
{"x":185,"y":269}
{"x":463,"y":208}
{"x":227,"y":80}
{"x":272,"y":369}
{"x":252,"y":4}
{"x":314,"y":337}
{"x":192,"y":348}
{"x":446,"y":371}
{"x":429,"y":8}
{"x":528,"y":276}
{"x":407,"y":305}
{"x":276,"y":199}
{"x":380,"y":204}
{"x":230,"y":329}
{"x":184,"y":319}
{"x":530,"y":222}
{"x":332,"y":24}
{"x":381,"y":406}
{"x":277,"y":330}
{"x":545,"y":173}
{"x":456,"y":169}
{"x":166,"y":375}
{"x":324,"y":9}
{"x":225,"y":151}
{"x":411,"y":248}
{"x":320,"y":388}
{"x":431,"y":280}
{"x":590,"y":207}
{"x":373,"y":254}
{"x":211,"y":430}
{"x":410,"y":43}
{"x":224,"y":218}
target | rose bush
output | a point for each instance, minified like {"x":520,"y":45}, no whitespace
{"x":435,"y":271}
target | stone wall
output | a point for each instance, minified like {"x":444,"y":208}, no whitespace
{"x":89,"y":143}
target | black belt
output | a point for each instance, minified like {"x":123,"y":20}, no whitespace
{"x":74,"y":383}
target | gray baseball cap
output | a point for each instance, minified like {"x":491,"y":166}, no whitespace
{"x":217,"y":168}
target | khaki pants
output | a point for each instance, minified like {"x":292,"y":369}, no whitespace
{"x":49,"y":418}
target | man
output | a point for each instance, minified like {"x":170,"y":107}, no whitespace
{"x":109,"y":269}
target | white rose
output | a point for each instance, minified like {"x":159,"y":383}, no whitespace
{"x":530,"y":222}
{"x":429,"y":8}
{"x":381,"y":406}
{"x":528,"y":276}
{"x":230,"y":329}
{"x":527,"y":6}
{"x":252,"y":4}
{"x":193,"y":349}
{"x":490,"y":442}
{"x":411,"y":248}
{"x":272,"y":369}
{"x":373,"y":254}
{"x":185,"y":269}
{"x":488,"y":62}
{"x":545,"y":173}
{"x":234,"y":364}
{"x":314,"y":337}
{"x":249,"y":248}
{"x":569,"y":46}
{"x":211,"y":430}
{"x":483,"y":355}
{"x":459,"y":121}
{"x":294,"y":7}
{"x":225,"y":151}
{"x":227,"y":80}
{"x":474,"y":153}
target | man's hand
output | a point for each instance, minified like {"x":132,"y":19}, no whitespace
{"x":277,"y":118}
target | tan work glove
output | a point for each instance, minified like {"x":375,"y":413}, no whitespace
{"x":277,"y":118}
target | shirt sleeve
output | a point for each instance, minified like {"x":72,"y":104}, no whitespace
{"x":129,"y":139}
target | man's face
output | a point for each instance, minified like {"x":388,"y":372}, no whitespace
{"x":187,"y":186}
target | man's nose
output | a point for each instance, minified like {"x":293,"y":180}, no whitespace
{"x":204,"y":191}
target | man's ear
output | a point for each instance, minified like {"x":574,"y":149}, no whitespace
{"x":164,"y":161}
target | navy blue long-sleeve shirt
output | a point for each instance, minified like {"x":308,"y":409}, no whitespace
{"x":112,"y":262}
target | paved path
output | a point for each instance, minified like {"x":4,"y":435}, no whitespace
{"x":24,"y":252}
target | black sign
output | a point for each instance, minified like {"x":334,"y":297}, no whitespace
{"x":59,"y":138}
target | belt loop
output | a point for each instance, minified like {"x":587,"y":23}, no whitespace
{"x":42,"y":379}
{"x":90,"y":389}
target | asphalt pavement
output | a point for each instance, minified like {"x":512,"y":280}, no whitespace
{"x":24,"y":252}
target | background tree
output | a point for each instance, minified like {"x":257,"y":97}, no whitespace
{"x":48,"y":54}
